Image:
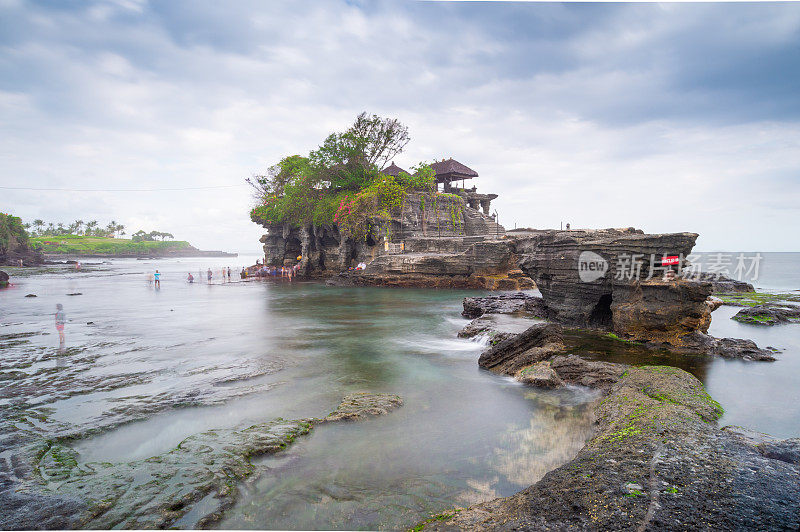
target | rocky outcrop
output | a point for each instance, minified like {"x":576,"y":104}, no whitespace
{"x":467,"y":269}
{"x":641,"y":332}
{"x":19,"y":253}
{"x":591,"y":373}
{"x":657,"y":462}
{"x":3,"y":279}
{"x":705,"y":344}
{"x":612,"y":278}
{"x":189,"y":486}
{"x":504,"y":304}
{"x":768,"y":315}
{"x":538,"y":343}
{"x":426,"y":244}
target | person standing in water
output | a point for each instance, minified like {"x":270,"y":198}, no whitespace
{"x":229,"y":273}
{"x":209,"y":275}
{"x":157,"y":277}
{"x":61,"y":319}
{"x":190,"y":278}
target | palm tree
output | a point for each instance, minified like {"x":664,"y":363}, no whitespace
{"x":121,"y":229}
{"x":60,"y":229}
{"x":90,"y":227}
{"x":78,"y":225}
{"x":72,"y":228}
{"x":38,"y":224}
{"x":51,"y":229}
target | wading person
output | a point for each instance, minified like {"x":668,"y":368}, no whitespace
{"x":157,"y":277}
{"x":209,"y":275}
{"x":190,"y":278}
{"x":61,"y":319}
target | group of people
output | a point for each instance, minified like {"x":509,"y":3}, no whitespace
{"x":289,"y":272}
{"x":225,"y":273}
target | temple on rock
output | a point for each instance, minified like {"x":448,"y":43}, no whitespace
{"x":444,"y":238}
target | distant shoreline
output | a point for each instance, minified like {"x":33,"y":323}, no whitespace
{"x":163,"y":255}
{"x":79,"y":246}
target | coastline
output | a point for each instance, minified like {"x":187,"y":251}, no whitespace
{"x":165,"y":254}
{"x":658,"y":460}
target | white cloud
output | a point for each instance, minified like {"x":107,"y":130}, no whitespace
{"x":596,"y":125}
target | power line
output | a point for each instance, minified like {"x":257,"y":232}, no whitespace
{"x":119,"y":189}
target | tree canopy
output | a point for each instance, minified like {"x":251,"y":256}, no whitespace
{"x":340,"y":183}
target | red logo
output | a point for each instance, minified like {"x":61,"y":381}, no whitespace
{"x":667,"y":261}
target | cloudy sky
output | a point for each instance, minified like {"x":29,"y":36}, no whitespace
{"x":667,"y":117}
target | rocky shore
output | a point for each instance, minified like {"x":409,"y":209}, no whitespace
{"x":658,"y":460}
{"x":47,"y":486}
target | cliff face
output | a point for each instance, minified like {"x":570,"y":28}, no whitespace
{"x":435,"y":240}
{"x":613,"y":279}
{"x":16,"y":253}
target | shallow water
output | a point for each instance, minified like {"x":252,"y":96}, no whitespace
{"x":155,"y":366}
{"x":143,"y":369}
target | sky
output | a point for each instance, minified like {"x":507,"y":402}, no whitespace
{"x":666,"y":117}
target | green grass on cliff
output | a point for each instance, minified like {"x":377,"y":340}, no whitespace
{"x":91,"y":245}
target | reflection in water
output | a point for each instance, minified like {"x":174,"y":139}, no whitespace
{"x":554,"y":435}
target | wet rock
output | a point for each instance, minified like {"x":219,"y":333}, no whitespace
{"x":698,"y":343}
{"x":30,"y":295}
{"x":75,"y":294}
{"x":594,"y":374}
{"x":3,"y":279}
{"x":158,"y":491}
{"x":358,"y":406}
{"x":768,"y":315}
{"x":503,"y":304}
{"x":657,"y":462}
{"x":537,"y":343}
{"x":714,"y":303}
{"x":477,"y":327}
{"x":539,"y":374}
{"x":784,"y":450}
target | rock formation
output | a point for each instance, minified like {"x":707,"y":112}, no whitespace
{"x":657,"y":462}
{"x":16,"y":253}
{"x":435,"y":241}
{"x":768,"y":314}
{"x":625,"y":292}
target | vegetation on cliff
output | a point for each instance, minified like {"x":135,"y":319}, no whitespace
{"x":341,"y":183}
{"x":12,"y":232}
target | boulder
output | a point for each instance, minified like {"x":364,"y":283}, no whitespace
{"x":573,"y":369}
{"x":3,"y":279}
{"x":705,"y":344}
{"x":539,"y":342}
{"x":539,"y":374}
{"x":768,"y":314}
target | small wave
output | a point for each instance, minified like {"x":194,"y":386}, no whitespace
{"x":440,"y":345}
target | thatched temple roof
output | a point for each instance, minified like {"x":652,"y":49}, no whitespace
{"x":393,"y":170}
{"x":452,"y":170}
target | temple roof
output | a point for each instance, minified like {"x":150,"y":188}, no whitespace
{"x":453,"y":169}
{"x":393,"y":170}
